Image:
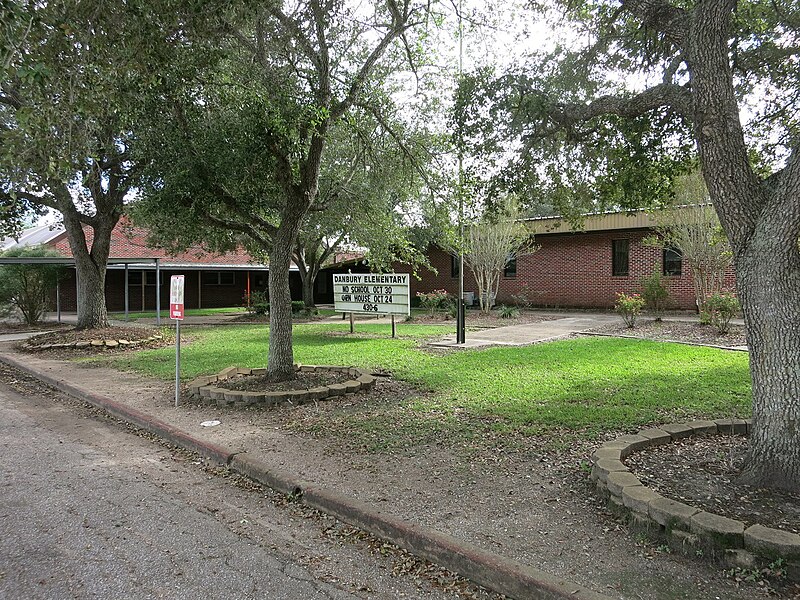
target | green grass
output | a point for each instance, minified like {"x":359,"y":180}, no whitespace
{"x":585,"y":385}
{"x":191,"y":312}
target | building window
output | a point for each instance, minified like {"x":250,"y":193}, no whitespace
{"x":219,"y":278}
{"x":510,"y":270}
{"x":619,"y":257}
{"x":673,"y":261}
{"x":134,"y":278}
{"x":455,"y":263}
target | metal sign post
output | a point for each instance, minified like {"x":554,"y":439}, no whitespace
{"x":176,"y":283}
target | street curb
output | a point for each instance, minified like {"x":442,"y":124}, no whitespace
{"x":485,"y":568}
{"x":132,"y":416}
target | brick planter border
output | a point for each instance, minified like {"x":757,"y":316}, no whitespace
{"x":204,"y":388}
{"x":686,"y":529}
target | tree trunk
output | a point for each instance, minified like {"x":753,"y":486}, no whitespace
{"x":309,"y":278}
{"x":280,"y":360}
{"x":90,"y":267}
{"x":769,"y":290}
{"x":91,"y":282}
{"x":763,"y":225}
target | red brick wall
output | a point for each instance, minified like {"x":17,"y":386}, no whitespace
{"x":570,"y":270}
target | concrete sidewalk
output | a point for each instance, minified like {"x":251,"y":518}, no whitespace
{"x":531,"y":333}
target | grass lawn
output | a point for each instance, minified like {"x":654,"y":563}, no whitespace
{"x":191,"y":312}
{"x":583,"y":386}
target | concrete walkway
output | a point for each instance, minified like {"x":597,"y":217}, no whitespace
{"x":530,"y":333}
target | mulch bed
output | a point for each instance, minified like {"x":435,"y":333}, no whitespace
{"x":702,"y":472}
{"x":680,"y":331}
{"x":302,"y":381}
{"x":71,"y":335}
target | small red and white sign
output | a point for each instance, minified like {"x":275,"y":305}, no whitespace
{"x":176,"y":297}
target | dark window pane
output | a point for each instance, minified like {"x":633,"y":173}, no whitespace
{"x":210,"y":278}
{"x":619,"y":257}
{"x":227,"y":277}
{"x":673,"y":261}
{"x":455,"y":263}
{"x":510,"y":270}
{"x":134,"y":277}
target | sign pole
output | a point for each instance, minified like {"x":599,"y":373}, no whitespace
{"x":176,"y":312}
{"x":351,"y":322}
{"x":177,"y":360}
{"x":394,"y":329}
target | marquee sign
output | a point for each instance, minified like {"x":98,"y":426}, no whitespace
{"x":367,"y":293}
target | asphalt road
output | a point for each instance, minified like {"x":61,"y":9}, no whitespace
{"x":89,"y":510}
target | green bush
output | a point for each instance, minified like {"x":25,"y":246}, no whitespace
{"x":655,"y":293}
{"x":507,"y":312}
{"x":257,"y":303}
{"x":435,"y":300}
{"x":28,"y":287}
{"x":298,"y":306}
{"x":629,"y":307}
{"x":719,"y":309}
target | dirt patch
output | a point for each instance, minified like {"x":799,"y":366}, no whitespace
{"x":702,"y":472}
{"x":679,"y":331}
{"x":302,"y":381}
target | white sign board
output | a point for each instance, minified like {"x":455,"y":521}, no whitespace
{"x":386,"y":294}
{"x":176,"y":297}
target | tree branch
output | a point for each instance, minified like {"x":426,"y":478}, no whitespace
{"x":295,"y":31}
{"x":400,"y":24}
{"x":661,"y":16}
{"x":562,"y":117}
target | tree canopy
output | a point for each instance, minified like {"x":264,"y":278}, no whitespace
{"x":242,"y":144}
{"x":68,"y":100}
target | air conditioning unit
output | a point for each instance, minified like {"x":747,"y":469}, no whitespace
{"x":469,"y":298}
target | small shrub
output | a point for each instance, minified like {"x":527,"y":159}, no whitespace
{"x":433,"y":301}
{"x":629,"y":307}
{"x":523,"y":298}
{"x":298,"y":306}
{"x":507,"y":312}
{"x":256,"y":303}
{"x":451,"y":308}
{"x":655,"y":293}
{"x":26,"y":287}
{"x":720,"y":309}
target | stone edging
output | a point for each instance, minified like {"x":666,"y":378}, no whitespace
{"x":94,"y":344}
{"x":687,"y":529}
{"x":204,"y":388}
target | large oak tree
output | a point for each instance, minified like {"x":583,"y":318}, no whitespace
{"x":67,"y":99}
{"x":247,"y":128}
{"x":724,"y":75}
